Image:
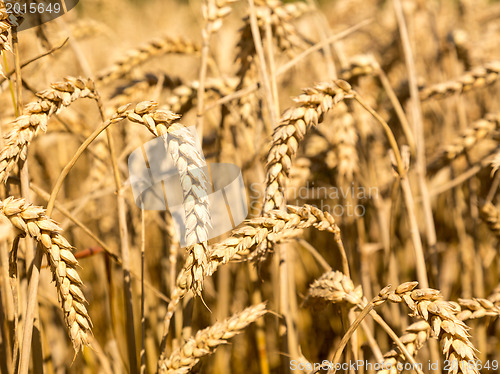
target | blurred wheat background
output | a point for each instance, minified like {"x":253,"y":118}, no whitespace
{"x":367,"y":135}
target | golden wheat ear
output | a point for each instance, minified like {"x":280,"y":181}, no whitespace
{"x":439,"y":315}
{"x":26,"y":127}
{"x":31,"y":220}
{"x":206,"y":341}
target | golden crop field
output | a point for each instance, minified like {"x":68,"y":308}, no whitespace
{"x":252,"y":186}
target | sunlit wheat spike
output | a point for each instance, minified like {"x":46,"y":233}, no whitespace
{"x":140,"y":55}
{"x":313,"y":104}
{"x":274,"y":227}
{"x":24,"y":128}
{"x":428,"y":304}
{"x":189,"y":163}
{"x":206,"y":341}
{"x":478,"y":77}
{"x":466,"y":140}
{"x":31,"y":220}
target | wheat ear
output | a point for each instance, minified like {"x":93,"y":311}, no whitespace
{"x":136,"y":90}
{"x":7,"y":21}
{"x":419,"y":332}
{"x":276,"y":226}
{"x":27,"y":126}
{"x":345,"y":139}
{"x":135,"y":57}
{"x":195,"y":186}
{"x":31,"y":220}
{"x":256,"y":232}
{"x":189,"y":163}
{"x":479,"y":307}
{"x":479,"y":130}
{"x":478,"y":77}
{"x":281,"y":17}
{"x":183,"y":359}
{"x":243,"y":242}
{"x":489,"y":214}
{"x":359,"y":66}
{"x":314,"y":104}
{"x":427,"y":304}
{"x":182,"y":97}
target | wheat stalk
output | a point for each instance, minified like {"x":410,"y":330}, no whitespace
{"x":183,"y":359}
{"x":27,"y":126}
{"x":284,"y":32}
{"x":31,"y":220}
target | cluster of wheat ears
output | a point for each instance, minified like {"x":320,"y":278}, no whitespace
{"x":384,"y":168}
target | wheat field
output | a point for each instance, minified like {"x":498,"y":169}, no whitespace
{"x":363,"y":236}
